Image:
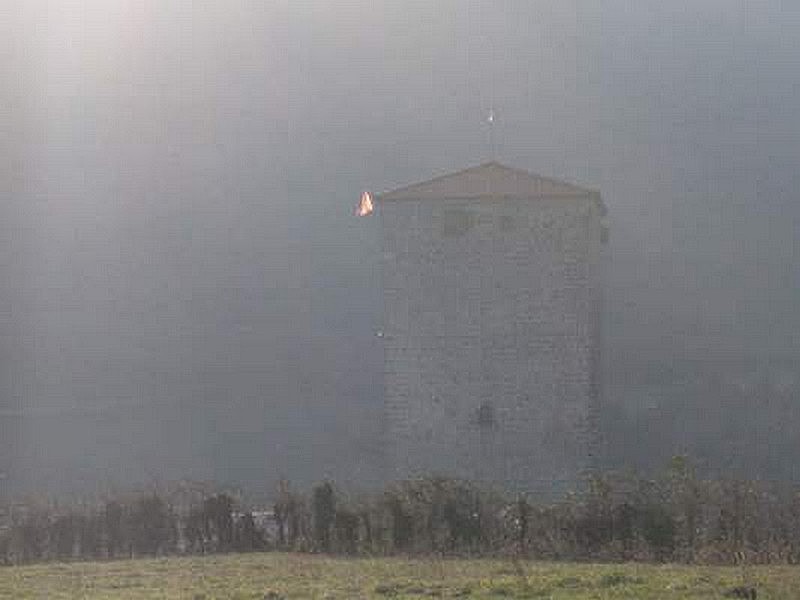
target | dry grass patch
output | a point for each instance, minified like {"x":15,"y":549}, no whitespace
{"x":288,"y":577}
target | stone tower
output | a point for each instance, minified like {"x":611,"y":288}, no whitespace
{"x":491,"y":287}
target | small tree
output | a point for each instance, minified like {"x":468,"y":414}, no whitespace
{"x":285,"y":511}
{"x":346,"y":528}
{"x":218,"y":521}
{"x":324,"y":514}
{"x":247,"y":537}
{"x":152,"y":525}
{"x":523,"y":519}
{"x":402,"y":524}
{"x":114,"y":516}
{"x":90,"y":535}
{"x":63,"y":535}
{"x":194,"y":531}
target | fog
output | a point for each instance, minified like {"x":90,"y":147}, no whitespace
{"x":186,"y":291}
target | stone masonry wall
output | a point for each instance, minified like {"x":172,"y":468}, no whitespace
{"x":491,"y":338}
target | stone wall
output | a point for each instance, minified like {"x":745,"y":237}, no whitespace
{"x":491,"y":338}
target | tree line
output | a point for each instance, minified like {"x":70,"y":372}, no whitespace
{"x":674,"y":518}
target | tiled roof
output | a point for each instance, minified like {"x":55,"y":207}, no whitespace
{"x":486,"y":181}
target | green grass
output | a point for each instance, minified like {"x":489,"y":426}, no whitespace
{"x":274,"y":576}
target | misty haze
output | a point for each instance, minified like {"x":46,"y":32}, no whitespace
{"x":188,"y":295}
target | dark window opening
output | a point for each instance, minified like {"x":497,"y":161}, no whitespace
{"x":457,"y":221}
{"x":486,"y":416}
{"x":507,"y":223}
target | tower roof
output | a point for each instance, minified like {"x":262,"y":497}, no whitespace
{"x":488,"y":180}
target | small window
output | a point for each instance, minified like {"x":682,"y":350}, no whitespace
{"x":486,"y":417}
{"x":506,"y":223}
{"x":457,"y":221}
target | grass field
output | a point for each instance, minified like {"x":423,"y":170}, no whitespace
{"x":274,"y":576}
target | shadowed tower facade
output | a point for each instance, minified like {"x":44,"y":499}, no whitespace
{"x":492,"y":302}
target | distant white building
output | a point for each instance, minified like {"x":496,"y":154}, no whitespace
{"x":491,"y":286}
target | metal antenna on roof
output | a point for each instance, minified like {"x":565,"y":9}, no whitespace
{"x":490,"y":119}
